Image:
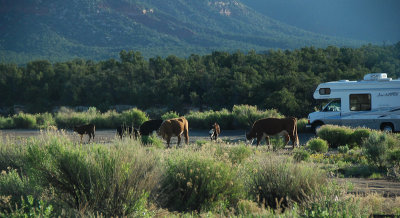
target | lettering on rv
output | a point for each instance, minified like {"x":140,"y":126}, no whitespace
{"x":388,"y":94}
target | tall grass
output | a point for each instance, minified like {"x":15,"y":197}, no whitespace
{"x":276,"y":181}
{"x":113,"y":180}
{"x":198,"y":181}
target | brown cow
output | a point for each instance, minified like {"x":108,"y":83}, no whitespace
{"x":214,"y":132}
{"x":264,"y":128}
{"x":85,"y":129}
{"x":174,"y":127}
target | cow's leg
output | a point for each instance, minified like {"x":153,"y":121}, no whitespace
{"x":168,"y":141}
{"x":179,"y":140}
{"x":259,"y":138}
{"x":287,"y":137}
{"x":295,"y":140}
{"x":90,"y":136}
{"x":81,"y":138}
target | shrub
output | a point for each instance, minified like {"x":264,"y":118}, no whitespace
{"x":16,"y":186}
{"x":170,"y":115}
{"x":301,"y":125}
{"x":300,"y":154}
{"x":134,"y":117}
{"x":343,"y":149}
{"x":237,"y":154}
{"x":331,"y":201}
{"x":24,"y":121}
{"x":6,"y":123}
{"x":335,"y":135}
{"x":376,"y":148}
{"x":153,"y":140}
{"x":113,"y":180}
{"x":280,"y":182}
{"x":45,"y":120}
{"x":358,"y":136}
{"x":317,"y":145}
{"x":197,"y":181}
{"x":204,"y":120}
{"x":245,"y":115}
{"x":394,"y":157}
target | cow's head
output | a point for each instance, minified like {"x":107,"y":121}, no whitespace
{"x":250,"y":135}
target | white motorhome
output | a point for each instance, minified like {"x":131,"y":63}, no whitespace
{"x":373,"y":103}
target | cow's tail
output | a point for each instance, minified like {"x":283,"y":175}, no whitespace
{"x":186,"y":131}
{"x":296,"y":136}
{"x":94,"y":130}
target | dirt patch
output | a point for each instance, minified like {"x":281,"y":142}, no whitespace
{"x":366,"y":186}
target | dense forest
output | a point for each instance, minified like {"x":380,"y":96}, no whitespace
{"x":281,"y":79}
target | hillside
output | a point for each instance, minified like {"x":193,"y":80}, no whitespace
{"x":368,"y":20}
{"x":98,"y":29}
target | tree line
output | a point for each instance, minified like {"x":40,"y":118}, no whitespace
{"x":276,"y":79}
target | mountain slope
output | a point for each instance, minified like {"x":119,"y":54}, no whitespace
{"x":97,"y":29}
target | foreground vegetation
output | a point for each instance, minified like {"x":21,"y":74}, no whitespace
{"x":277,"y":79}
{"x":50,"y":175}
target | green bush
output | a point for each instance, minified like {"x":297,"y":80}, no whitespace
{"x":277,"y":182}
{"x":330,"y":201}
{"x":112,"y":180}
{"x":239,"y":153}
{"x":335,"y":135}
{"x":16,"y":186}
{"x":317,"y":145}
{"x":394,"y":157}
{"x":245,"y":115}
{"x":24,"y":121}
{"x":169,"y":115}
{"x":45,"y":120}
{"x":343,"y":149}
{"x":133,"y":117}
{"x":153,"y":140}
{"x":204,"y":120}
{"x":301,"y":125}
{"x":301,"y":154}
{"x":197,"y":181}
{"x":376,"y":148}
{"x":6,"y":123}
{"x":358,"y":136}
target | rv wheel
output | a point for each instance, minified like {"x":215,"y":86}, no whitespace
{"x":316,"y":126}
{"x":387,"y":127}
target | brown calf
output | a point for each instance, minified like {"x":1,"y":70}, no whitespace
{"x":174,"y":127}
{"x":214,"y":132}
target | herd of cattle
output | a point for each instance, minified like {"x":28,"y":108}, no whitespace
{"x":261,"y":129}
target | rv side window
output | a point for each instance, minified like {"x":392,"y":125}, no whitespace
{"x":360,"y":102}
{"x":324,"y":91}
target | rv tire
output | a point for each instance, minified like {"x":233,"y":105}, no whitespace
{"x":387,"y":127}
{"x":316,"y":126}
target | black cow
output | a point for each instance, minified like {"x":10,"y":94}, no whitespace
{"x":149,"y":127}
{"x":85,"y":129}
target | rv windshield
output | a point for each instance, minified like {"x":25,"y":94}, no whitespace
{"x":333,"y":105}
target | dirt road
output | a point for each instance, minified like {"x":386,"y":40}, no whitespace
{"x":106,"y":136}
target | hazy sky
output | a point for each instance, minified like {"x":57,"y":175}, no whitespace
{"x":370,"y":20}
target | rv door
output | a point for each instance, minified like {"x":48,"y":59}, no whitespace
{"x":332,"y":112}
